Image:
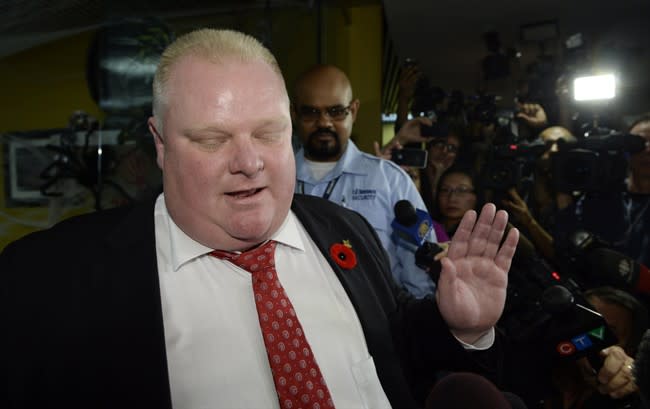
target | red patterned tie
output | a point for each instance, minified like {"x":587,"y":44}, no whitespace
{"x":298,"y":381}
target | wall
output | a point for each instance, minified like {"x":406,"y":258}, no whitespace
{"x":41,"y":88}
{"x":44,"y":85}
{"x":354,"y":43}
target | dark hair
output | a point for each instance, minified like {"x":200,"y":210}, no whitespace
{"x":622,"y":298}
{"x":445,"y":129}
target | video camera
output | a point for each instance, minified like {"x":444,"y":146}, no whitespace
{"x":597,"y":163}
{"x":509,"y":163}
{"x":487,"y":112}
{"x":507,"y":160}
{"x":545,"y":312}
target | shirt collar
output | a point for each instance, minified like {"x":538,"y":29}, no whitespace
{"x":348,"y":163}
{"x":184,"y":249}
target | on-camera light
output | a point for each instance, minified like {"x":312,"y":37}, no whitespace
{"x":596,"y":87}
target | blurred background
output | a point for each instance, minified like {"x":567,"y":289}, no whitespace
{"x":75,"y":76}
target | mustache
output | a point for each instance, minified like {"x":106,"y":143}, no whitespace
{"x":323,"y":131}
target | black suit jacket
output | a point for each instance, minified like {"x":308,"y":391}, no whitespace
{"x":83,"y":328}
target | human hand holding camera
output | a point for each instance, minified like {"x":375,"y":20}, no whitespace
{"x":410,"y":132}
{"x":517,"y":207}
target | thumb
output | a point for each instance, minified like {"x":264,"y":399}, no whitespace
{"x":523,"y":115}
{"x":448,"y":270}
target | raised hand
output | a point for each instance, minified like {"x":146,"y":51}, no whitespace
{"x":471,"y":290}
{"x":409,"y":133}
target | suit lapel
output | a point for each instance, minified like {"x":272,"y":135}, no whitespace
{"x":364,"y":284}
{"x":129,"y":322}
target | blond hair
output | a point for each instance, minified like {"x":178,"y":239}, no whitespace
{"x":213,"y":45}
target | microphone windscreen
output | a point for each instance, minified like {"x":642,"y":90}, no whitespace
{"x":464,"y":390}
{"x":612,"y":268}
{"x":405,"y":213}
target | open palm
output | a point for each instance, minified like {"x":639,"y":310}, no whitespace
{"x":471,"y":290}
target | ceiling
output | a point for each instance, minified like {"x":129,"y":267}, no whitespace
{"x":26,"y":23}
{"x":444,"y":35}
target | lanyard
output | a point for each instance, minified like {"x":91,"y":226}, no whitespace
{"x":328,"y":189}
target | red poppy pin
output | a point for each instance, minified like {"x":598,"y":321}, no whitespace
{"x":343,"y":255}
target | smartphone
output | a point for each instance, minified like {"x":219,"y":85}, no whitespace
{"x":416,"y":158}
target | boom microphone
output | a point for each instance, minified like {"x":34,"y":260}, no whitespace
{"x":610,"y":267}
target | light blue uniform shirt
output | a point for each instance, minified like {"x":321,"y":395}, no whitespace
{"x":371,"y":186}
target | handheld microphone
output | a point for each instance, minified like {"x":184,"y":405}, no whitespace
{"x":616,"y":269}
{"x":414,"y":225}
{"x":642,"y":367}
{"x":570,"y":329}
{"x":410,"y":223}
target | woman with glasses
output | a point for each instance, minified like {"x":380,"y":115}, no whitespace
{"x":458,"y":191}
{"x":456,"y":194}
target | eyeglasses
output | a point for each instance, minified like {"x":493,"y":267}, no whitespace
{"x":460,"y":190}
{"x":449,"y":147}
{"x":335,"y":113}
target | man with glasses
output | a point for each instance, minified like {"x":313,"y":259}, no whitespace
{"x":330,"y":165}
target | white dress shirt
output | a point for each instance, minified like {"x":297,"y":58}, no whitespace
{"x":215,"y":351}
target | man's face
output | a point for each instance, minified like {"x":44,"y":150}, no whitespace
{"x":225,"y":152}
{"x":551,"y":136}
{"x":324,"y":113}
{"x":640,"y":161}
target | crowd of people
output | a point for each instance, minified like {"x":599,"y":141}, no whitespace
{"x":474,"y":158}
{"x":265,"y":276}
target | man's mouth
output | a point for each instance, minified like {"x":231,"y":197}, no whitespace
{"x":240,"y":194}
{"x":323,"y":135}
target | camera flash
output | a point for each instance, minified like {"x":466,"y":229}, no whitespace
{"x":595,"y":87}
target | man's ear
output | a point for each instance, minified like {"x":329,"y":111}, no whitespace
{"x":354,"y":108}
{"x":157,"y":140}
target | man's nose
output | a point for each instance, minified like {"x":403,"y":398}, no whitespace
{"x":324,"y":120}
{"x":245,"y":157}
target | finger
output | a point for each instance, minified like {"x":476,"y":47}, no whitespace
{"x":496,"y":234}
{"x":618,"y":381}
{"x":478,"y":239}
{"x":618,"y":387}
{"x":446,"y":282}
{"x":625,"y":390}
{"x":507,"y":250}
{"x":614,"y":360}
{"x":443,"y":253}
{"x":424,"y":120}
{"x":460,"y":242}
{"x":524,"y":116}
{"x":513,"y":192}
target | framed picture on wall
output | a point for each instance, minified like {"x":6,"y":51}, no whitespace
{"x":26,"y":157}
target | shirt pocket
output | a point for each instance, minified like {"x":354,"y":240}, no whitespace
{"x":368,"y":385}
